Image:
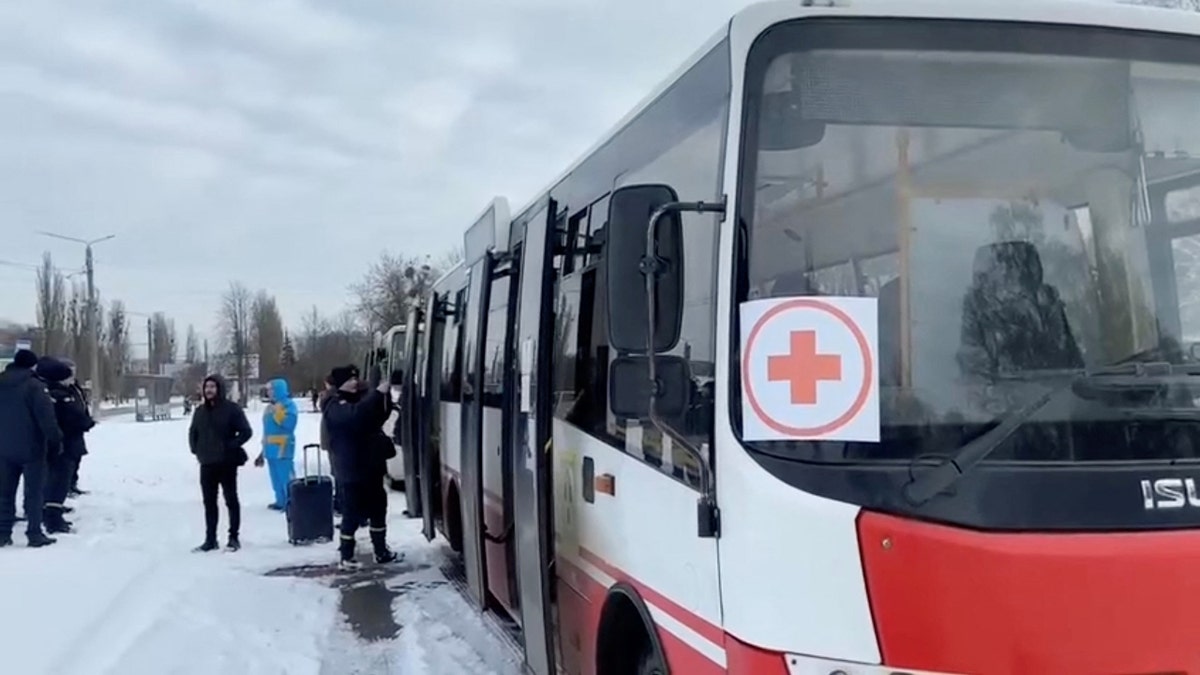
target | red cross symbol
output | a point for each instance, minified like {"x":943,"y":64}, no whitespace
{"x":803,"y":368}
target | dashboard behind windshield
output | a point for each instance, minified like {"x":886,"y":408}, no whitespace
{"x":1023,"y":202}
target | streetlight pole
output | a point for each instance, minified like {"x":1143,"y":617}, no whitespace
{"x":93,"y":311}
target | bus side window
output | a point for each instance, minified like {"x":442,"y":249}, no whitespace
{"x":581,"y":355}
{"x":694,"y":180}
{"x":687,"y":153}
{"x":451,"y":379}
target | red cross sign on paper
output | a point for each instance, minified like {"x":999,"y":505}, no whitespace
{"x":803,"y":368}
{"x":795,"y":388}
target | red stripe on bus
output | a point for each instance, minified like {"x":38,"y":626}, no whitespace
{"x":681,"y":657}
{"x":701,"y":626}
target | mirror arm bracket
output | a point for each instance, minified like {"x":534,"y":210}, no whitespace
{"x":652,"y":266}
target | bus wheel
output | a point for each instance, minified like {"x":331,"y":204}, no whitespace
{"x":626,"y":641}
{"x":648,"y":663}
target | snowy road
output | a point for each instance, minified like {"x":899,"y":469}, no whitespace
{"x":127,"y":596}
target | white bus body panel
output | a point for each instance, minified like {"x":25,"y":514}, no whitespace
{"x":791,"y":572}
{"x":645,"y":533}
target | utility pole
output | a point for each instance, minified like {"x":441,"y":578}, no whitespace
{"x":150,"y":346}
{"x":92,"y":314}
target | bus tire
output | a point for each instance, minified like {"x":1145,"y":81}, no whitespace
{"x":396,"y":484}
{"x":627,"y":641}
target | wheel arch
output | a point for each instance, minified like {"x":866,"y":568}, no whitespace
{"x":625,"y":621}
{"x":453,"y":516}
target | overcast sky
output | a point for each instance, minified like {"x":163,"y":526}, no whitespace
{"x":283,"y":143}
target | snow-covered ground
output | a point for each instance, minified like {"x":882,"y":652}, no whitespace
{"x":125,"y":595}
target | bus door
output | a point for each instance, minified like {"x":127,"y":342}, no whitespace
{"x":425,"y":400}
{"x":471,"y":446}
{"x":408,"y":417}
{"x":531,"y":410}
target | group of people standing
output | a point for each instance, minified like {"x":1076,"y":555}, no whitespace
{"x":44,"y":415}
{"x":353,"y":414}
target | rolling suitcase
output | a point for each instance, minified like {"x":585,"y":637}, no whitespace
{"x":310,"y":505}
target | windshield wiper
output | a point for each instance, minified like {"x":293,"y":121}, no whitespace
{"x":942,"y":477}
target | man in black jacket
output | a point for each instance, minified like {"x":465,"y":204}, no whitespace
{"x":74,"y":421}
{"x":78,"y":391}
{"x":355,"y":418}
{"x":218,"y":432}
{"x":29,"y":431}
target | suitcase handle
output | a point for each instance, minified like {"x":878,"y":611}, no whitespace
{"x":305,"y":451}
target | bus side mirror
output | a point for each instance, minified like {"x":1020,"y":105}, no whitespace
{"x":629,"y":386}
{"x":627,"y":262}
{"x":397,"y":378}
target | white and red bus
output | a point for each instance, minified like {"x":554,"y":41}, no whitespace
{"x":925,"y":283}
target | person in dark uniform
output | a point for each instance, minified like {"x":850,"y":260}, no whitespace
{"x":73,"y":490}
{"x":329,"y":391}
{"x":218,"y":433}
{"x":355,"y":416}
{"x":74,"y":421}
{"x":29,"y":431}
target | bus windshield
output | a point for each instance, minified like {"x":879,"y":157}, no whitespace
{"x":1023,"y":202}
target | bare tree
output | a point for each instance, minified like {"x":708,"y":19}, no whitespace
{"x":447,"y":260}
{"x":393,"y":284}
{"x":192,"y":350}
{"x":76,"y":322}
{"x":162,"y":340}
{"x":234,"y":325}
{"x":116,"y":347}
{"x":267,"y":333}
{"x":172,"y":346}
{"x":51,"y":307}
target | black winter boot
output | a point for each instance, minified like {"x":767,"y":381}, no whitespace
{"x":208,"y":545}
{"x":346,"y":559}
{"x":383,"y":554}
{"x":234,"y":543}
{"x":39,"y":539}
{"x":54,"y":521}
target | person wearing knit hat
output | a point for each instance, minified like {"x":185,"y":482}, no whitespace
{"x":344,"y":377}
{"x":74,"y":420}
{"x":30,"y":430}
{"x":355,"y":415}
{"x":78,"y":391}
{"x":24,"y":359}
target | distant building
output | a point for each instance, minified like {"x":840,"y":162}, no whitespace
{"x":13,"y":336}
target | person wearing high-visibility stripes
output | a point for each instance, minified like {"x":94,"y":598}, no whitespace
{"x":356,"y":415}
{"x":279,"y":441}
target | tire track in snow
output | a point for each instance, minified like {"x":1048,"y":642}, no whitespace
{"x":132,"y":613}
